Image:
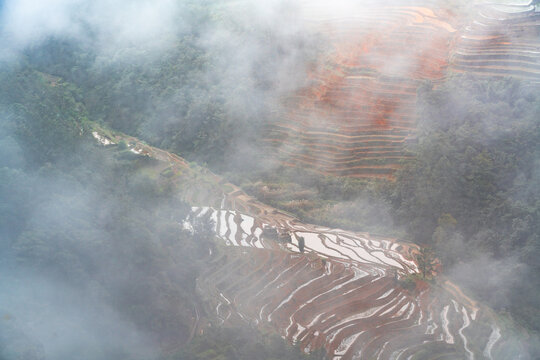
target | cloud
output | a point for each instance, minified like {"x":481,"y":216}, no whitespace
{"x":106,"y":23}
{"x":46,"y":320}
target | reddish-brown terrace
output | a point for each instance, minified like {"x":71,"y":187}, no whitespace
{"x":367,"y":86}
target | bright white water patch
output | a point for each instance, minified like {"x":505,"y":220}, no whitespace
{"x":357,"y":252}
{"x":332,"y":243}
{"x":444,"y":317}
{"x":385,"y":294}
{"x":346,"y":344}
{"x":315,"y":319}
{"x":299,"y":330}
{"x":203,"y":211}
{"x":220,"y":226}
{"x":357,"y":275}
{"x":218,"y":307}
{"x":227,"y":229}
{"x":102,"y":139}
{"x":257,"y":242}
{"x":261,"y":311}
{"x":224,"y":298}
{"x":363,"y":315}
{"x":335,"y":333}
{"x":397,"y":354}
{"x":276,"y":279}
{"x":397,"y":301}
{"x":222,"y":205}
{"x":247,"y":223}
{"x":493,"y":338}
{"x":466,"y":323}
{"x":233,"y":229}
{"x":286,"y":300}
{"x":344,"y":252}
{"x":473,"y":314}
{"x":385,"y":259}
{"x":381,"y":351}
{"x":420,"y":318}
{"x":313,"y":242}
{"x":455,"y":305}
{"x":402,"y":310}
{"x":430,"y":330}
{"x":186,"y":225}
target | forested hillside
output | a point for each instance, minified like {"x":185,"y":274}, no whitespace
{"x":206,"y":97}
{"x":472,"y":191}
{"x":93,"y":258}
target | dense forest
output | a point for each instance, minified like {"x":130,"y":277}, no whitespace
{"x":472,"y":191}
{"x":205,"y":98}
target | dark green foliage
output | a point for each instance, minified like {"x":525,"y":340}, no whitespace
{"x":41,"y":111}
{"x":301,"y":244}
{"x":473,"y":191}
{"x":202,"y":98}
{"x":342,"y":202}
{"x":171,"y":101}
{"x":408,"y":283}
{"x":426,"y":261}
{"x":475,"y":160}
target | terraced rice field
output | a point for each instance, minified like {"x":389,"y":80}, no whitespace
{"x":359,"y":109}
{"x":239,"y":229}
{"x":342,"y":294}
{"x":502,"y":40}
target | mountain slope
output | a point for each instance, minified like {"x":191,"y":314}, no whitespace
{"x":342,"y":295}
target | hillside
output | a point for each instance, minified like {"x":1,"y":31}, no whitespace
{"x":223,"y":179}
{"x":359,"y":109}
{"x":347,"y":293}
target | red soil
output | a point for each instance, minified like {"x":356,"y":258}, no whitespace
{"x":368,"y":82}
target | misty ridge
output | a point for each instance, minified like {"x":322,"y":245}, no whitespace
{"x":402,"y":120}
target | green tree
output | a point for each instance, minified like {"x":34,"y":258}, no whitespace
{"x":301,"y":243}
{"x":426,"y":261}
